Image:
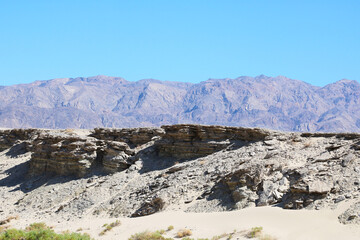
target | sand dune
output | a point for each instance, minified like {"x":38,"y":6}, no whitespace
{"x":277,"y":222}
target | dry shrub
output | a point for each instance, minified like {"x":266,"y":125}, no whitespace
{"x":183,"y":233}
{"x":108,"y":227}
{"x":36,"y":226}
{"x":148,"y":236}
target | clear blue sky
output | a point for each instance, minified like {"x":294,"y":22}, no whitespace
{"x":179,"y":40}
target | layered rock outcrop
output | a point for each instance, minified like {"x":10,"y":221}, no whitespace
{"x":67,"y":153}
{"x":131,"y":136}
{"x":9,"y":137}
{"x":62,"y":154}
{"x":190,"y":141}
{"x":192,"y":167}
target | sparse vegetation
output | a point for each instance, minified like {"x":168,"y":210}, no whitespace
{"x":183,"y":233}
{"x":149,"y":236}
{"x":219,"y":236}
{"x":108,"y":227}
{"x":40,"y":231}
{"x":171,"y":227}
{"x":254,"y":232}
{"x":36,"y":226}
{"x":162,"y":231}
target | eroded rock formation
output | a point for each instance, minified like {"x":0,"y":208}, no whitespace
{"x":135,"y":172}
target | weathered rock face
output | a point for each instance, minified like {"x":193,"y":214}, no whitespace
{"x":325,"y":171}
{"x":62,"y":154}
{"x":149,"y":208}
{"x":131,"y":136}
{"x":10,"y":136}
{"x":195,"y":168}
{"x":115,"y":156}
{"x":66,"y":153}
{"x":190,"y":141}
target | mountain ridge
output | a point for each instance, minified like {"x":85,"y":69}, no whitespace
{"x":278,"y":103}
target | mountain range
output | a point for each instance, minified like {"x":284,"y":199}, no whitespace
{"x":276,"y":103}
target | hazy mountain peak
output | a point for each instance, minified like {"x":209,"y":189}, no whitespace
{"x":262,"y":76}
{"x":103,"y":101}
{"x":347,"y":82}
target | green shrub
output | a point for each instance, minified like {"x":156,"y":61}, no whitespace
{"x":39,"y":231}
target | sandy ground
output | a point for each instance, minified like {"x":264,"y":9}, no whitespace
{"x":277,"y":222}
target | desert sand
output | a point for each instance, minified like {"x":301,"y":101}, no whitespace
{"x":276,"y":222}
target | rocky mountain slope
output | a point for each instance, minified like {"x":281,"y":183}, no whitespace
{"x":275,"y":103}
{"x":63,"y":174}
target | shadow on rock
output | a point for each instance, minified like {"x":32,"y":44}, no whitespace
{"x":18,"y":176}
{"x":221,"y":193}
{"x":154,"y":159}
{"x":16,"y":150}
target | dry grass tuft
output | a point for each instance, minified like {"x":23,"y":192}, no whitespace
{"x":254,"y":232}
{"x":183,"y":233}
{"x":110,"y":226}
{"x":36,"y":226}
{"x":148,"y":236}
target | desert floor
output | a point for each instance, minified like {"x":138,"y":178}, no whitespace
{"x":276,"y":222}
